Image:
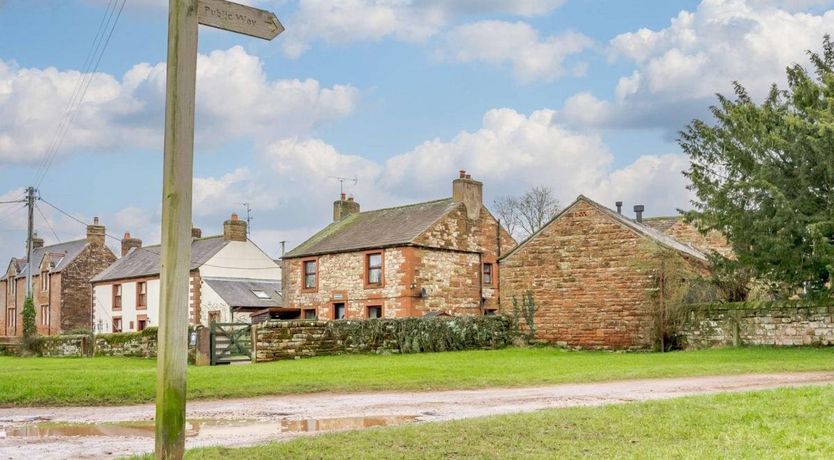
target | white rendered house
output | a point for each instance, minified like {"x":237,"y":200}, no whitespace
{"x":230,"y":278}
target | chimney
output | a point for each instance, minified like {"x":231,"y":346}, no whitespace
{"x":619,"y":207}
{"x":95,"y":233}
{"x":37,"y":243}
{"x":234,"y":229}
{"x":469,"y":192}
{"x":638,"y":210}
{"x":129,"y":243}
{"x":344,"y":207}
{"x":196,"y":232}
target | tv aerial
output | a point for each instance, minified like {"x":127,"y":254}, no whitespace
{"x":342,"y":180}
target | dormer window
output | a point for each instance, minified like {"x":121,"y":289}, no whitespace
{"x":45,"y":281}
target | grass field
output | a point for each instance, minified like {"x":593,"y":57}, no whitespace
{"x":103,"y":381}
{"x":785,"y":423}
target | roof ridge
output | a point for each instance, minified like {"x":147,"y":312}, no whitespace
{"x":404,"y":206}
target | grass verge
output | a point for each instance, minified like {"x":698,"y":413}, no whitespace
{"x":784,"y":423}
{"x":109,"y":381}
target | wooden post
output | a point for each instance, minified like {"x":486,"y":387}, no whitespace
{"x":176,"y":229}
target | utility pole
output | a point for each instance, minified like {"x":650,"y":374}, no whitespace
{"x":248,"y":218}
{"x":178,"y":170}
{"x":30,"y":203}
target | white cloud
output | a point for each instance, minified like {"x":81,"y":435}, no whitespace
{"x":234,"y":98}
{"x":681,"y":67}
{"x":516,"y":44}
{"x":292,"y":185}
{"x":346,"y":21}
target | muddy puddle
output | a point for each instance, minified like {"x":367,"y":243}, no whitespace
{"x":208,"y":429}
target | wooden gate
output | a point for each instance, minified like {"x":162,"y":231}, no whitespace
{"x":231,"y":343}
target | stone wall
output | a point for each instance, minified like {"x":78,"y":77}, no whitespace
{"x":584,"y":272}
{"x":76,"y":290}
{"x":277,"y":340}
{"x":138,"y":344}
{"x":759,"y":323}
{"x":64,"y":346}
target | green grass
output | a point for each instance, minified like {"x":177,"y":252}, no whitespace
{"x":103,"y":381}
{"x":785,"y":423}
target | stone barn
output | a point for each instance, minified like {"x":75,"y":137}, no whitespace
{"x":583,"y":269}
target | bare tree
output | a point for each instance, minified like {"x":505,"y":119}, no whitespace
{"x":522,"y":216}
{"x":506,"y":207}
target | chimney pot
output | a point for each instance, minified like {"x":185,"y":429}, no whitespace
{"x":638,"y":210}
{"x":343,"y":196}
{"x":234,"y":229}
{"x":344,"y":208}
{"x":462,"y":174}
{"x":619,"y":207}
{"x":96,"y":232}
{"x":470,"y":193}
{"x":129,"y":243}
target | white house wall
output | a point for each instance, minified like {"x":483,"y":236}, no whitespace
{"x":104,"y":314}
{"x":241,"y":260}
{"x":211,"y":302}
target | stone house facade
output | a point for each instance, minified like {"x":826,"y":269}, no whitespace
{"x":583,"y":269}
{"x":61,"y":288}
{"x":439,"y":256}
{"x":230,"y":278}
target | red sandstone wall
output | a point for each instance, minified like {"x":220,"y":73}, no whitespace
{"x":583,"y":272}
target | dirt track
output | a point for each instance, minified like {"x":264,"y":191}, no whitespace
{"x":38,"y":433}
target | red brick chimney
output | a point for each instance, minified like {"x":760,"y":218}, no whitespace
{"x":96,"y":233}
{"x":129,"y":243}
{"x":234,"y":229}
{"x":469,"y":192}
{"x":344,"y":207}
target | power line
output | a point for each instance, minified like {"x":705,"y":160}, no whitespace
{"x":46,"y":221}
{"x":71,"y":116}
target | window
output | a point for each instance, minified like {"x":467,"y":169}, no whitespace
{"x":141,"y":295}
{"x":338,"y":311}
{"x":44,"y":281}
{"x":374,"y":311}
{"x":213,"y":317}
{"x":117,"y":297}
{"x":11,"y":322}
{"x":12,"y":286}
{"x":489,"y":312}
{"x":117,"y":325}
{"x":373,"y":264}
{"x":488,"y":274}
{"x":310,"y":274}
{"x":310,"y":313}
{"x":44,"y":315}
{"x":260,"y":294}
{"x":131,"y":326}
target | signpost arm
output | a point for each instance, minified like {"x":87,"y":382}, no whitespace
{"x":176,"y":229}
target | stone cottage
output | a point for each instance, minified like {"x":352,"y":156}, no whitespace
{"x":61,"y":284}
{"x":583,"y":269}
{"x":437,"y":256}
{"x":230,"y":278}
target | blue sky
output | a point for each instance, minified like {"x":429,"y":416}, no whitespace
{"x":584,"y":96}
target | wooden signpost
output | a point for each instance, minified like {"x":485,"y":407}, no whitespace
{"x":183,"y":18}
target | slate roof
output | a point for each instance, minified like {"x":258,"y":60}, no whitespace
{"x":61,"y":254}
{"x":642,"y":229}
{"x":238,"y":292}
{"x":662,"y":224}
{"x":375,"y":229}
{"x":144,"y":261}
